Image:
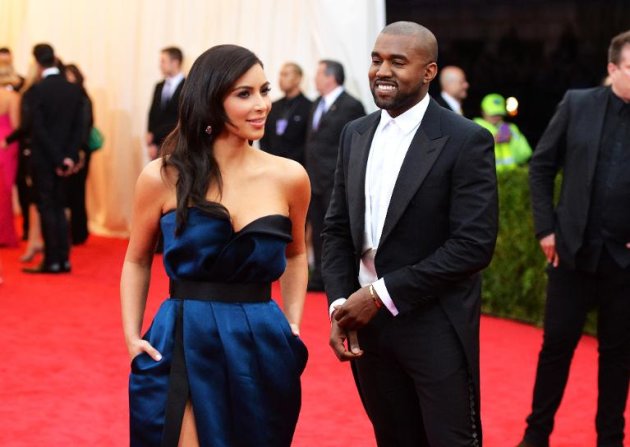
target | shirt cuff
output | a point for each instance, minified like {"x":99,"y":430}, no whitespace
{"x":383,"y":294}
{"x":337,"y":302}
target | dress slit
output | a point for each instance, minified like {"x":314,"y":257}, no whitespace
{"x":178,"y":388}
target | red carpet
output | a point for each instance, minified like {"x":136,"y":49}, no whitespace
{"x":64,"y":373}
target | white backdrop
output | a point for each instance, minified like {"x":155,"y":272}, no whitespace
{"x":117,"y":43}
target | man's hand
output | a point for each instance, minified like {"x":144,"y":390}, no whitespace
{"x":66,"y":168}
{"x":548,"y":246}
{"x":337,"y":341}
{"x":357,"y":311}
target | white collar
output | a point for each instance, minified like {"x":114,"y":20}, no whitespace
{"x":452,"y":102}
{"x":50,"y":71}
{"x":332,"y":96}
{"x":408,"y":120}
{"x":175,"y":80}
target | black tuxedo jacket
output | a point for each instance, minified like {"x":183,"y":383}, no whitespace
{"x":322,"y":144}
{"x":163,"y":117}
{"x":441,"y":225}
{"x":57,"y":124}
{"x":289,"y":143}
{"x":571,"y":143}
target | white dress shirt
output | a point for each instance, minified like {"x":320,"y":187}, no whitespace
{"x":387,"y":152}
{"x":170,"y":85}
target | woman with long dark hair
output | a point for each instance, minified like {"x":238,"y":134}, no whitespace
{"x":221,"y":363}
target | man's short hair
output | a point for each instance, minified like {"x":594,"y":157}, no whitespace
{"x":335,"y":69}
{"x":44,"y":55}
{"x":295,"y":68}
{"x":174,"y":53}
{"x":616,"y":45}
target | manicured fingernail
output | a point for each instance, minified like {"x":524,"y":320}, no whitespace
{"x":158,"y":357}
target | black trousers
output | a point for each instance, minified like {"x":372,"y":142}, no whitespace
{"x":414,"y":381}
{"x":316,"y":213}
{"x":570,"y":295}
{"x":51,"y":199}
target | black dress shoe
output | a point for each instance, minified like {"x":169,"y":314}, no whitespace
{"x":54,"y":267}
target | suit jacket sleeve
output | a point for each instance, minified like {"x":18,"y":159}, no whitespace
{"x":338,"y":254}
{"x":544,"y":166}
{"x":154,"y":111}
{"x":473,"y":223}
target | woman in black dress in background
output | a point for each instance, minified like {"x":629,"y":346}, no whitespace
{"x":221,"y":363}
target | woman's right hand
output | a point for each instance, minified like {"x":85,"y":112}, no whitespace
{"x":139,"y":346}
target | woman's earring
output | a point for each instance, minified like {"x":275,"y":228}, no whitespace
{"x":209,"y":130}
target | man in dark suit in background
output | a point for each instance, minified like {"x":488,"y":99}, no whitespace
{"x":56,"y":138}
{"x":412,"y":222}
{"x":163,"y":112}
{"x":331,"y":111}
{"x":454,"y":88}
{"x":287,"y":123}
{"x":586,"y":240}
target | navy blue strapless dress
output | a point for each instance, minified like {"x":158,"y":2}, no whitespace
{"x":237,"y":362}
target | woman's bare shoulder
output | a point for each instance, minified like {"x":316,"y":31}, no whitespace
{"x":286,"y":170}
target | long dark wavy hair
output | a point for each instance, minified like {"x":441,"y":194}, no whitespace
{"x":189,"y":149}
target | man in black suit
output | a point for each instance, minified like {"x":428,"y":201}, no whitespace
{"x":454,"y":88}
{"x":287,"y":123}
{"x":331,"y":111}
{"x":412,"y":221}
{"x":164,"y":107}
{"x":56,"y":138}
{"x":586,"y":239}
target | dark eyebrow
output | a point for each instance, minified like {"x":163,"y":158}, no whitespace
{"x":249,"y":87}
{"x":391,"y":56}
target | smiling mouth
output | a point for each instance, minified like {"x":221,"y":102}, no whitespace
{"x":385,"y":87}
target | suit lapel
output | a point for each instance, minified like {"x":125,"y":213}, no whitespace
{"x":331,"y":110}
{"x":422,"y":154}
{"x":594,"y":134}
{"x":357,"y":164}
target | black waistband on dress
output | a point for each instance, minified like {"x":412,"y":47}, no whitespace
{"x":220,"y":291}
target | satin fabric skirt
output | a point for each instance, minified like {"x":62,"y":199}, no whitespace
{"x":238,"y":363}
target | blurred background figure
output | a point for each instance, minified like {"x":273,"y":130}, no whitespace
{"x":330,"y":113}
{"x":7,"y":58}
{"x":511,"y":148}
{"x":31,"y":229}
{"x":75,"y":192}
{"x":454,"y":88}
{"x":9,"y":120}
{"x":286,"y":126}
{"x":163,"y":112}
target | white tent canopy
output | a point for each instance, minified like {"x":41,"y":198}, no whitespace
{"x":117,"y":43}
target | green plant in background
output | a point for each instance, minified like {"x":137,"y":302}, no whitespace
{"x":515,"y":282}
